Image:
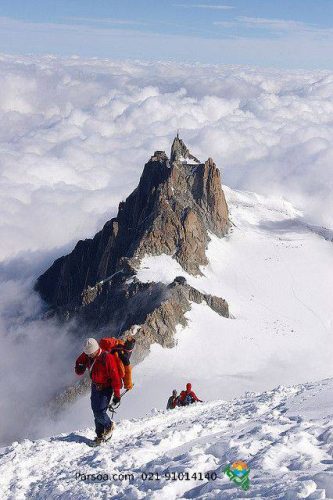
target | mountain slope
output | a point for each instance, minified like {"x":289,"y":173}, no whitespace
{"x":272,"y":270}
{"x":285,"y":436}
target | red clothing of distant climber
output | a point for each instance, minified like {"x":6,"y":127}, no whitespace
{"x":103,"y":370}
{"x":190,"y":393}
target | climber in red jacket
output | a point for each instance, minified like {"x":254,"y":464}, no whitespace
{"x":188,"y":397}
{"x":105,"y":383}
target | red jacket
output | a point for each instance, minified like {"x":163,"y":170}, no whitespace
{"x":189,"y":392}
{"x":183,"y":395}
{"x":103,"y":370}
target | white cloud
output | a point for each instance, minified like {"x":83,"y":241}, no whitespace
{"x":204,"y":6}
{"x":75,"y":135}
{"x":37,"y":360}
{"x":295,"y":32}
{"x":273,"y":24}
{"x":283,"y":25}
{"x":105,"y":20}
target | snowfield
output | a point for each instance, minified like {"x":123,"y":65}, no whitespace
{"x":273,"y":271}
{"x":284,"y":435}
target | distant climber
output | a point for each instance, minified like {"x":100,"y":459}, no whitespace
{"x":187,"y":397}
{"x":106,"y":382}
{"x":172,"y":401}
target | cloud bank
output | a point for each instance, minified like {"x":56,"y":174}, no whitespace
{"x":75,"y":134}
{"x":37,"y":362}
{"x":74,"y":137}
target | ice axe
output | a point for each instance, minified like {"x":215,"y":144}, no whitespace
{"x":112,"y":407}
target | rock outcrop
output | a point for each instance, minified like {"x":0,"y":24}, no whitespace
{"x":173,"y":209}
{"x":160,"y":324}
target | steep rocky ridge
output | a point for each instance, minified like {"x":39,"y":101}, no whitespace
{"x":175,"y":205}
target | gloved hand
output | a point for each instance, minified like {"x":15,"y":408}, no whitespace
{"x":115,"y":400}
{"x":80,"y":368}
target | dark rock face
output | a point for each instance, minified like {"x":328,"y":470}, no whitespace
{"x":179,"y":151}
{"x":175,"y":205}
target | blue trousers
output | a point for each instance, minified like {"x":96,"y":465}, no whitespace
{"x":100,"y":401}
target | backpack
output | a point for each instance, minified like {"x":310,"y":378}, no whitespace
{"x":188,"y":399}
{"x":122,"y":351}
{"x":181,"y":398}
{"x":185,"y":399}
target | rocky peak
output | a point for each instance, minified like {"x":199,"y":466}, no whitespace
{"x":179,"y":152}
{"x":174,"y":207}
{"x":187,"y":205}
{"x":159,"y":156}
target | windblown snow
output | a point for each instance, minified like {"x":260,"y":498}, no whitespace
{"x":284,"y":435}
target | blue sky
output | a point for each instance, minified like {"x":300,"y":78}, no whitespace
{"x":287,"y":33}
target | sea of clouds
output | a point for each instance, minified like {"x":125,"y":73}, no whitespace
{"x":75,"y":134}
{"x":74,"y":137}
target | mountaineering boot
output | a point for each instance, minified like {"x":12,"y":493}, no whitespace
{"x":108,"y":432}
{"x":98,"y":440}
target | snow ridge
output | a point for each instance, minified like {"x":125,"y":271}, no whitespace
{"x":284,"y":435}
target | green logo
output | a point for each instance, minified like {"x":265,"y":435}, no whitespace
{"x":238,"y":472}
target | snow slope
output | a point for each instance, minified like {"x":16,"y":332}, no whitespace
{"x":273,"y":269}
{"x":285,"y":436}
